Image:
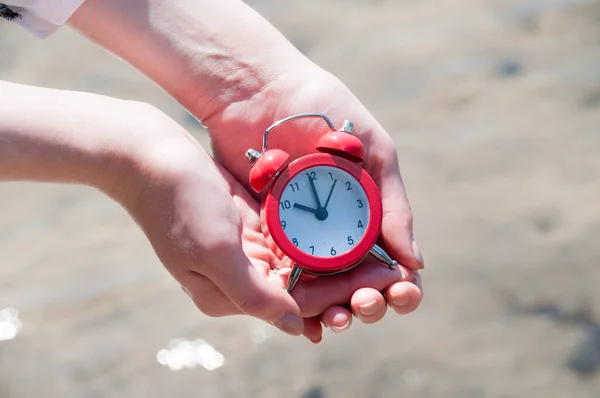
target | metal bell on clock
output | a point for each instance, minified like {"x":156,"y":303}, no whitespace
{"x":342,"y":143}
{"x":265,"y":166}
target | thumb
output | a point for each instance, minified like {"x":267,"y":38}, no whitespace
{"x":397,"y":227}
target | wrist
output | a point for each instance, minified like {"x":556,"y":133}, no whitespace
{"x":206,"y":54}
{"x":245,"y":78}
{"x":150,"y":150}
{"x":158,"y":155}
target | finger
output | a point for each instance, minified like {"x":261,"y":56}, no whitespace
{"x":207,"y":296}
{"x":415,"y":277}
{"x":368,"y":305}
{"x":337,"y":318}
{"x":251,"y":292}
{"x":405,"y":297}
{"x":317,"y":295}
{"x":313,"y":330}
{"x":397,"y":227}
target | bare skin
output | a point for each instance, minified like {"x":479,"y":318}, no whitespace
{"x":237,"y":74}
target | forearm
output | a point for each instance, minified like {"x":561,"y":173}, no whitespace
{"x":207,"y":54}
{"x":60,"y":136}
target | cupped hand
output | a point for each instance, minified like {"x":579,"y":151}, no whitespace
{"x":204,"y":226}
{"x":240,"y":125}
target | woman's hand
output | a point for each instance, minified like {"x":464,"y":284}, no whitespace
{"x":240,"y":126}
{"x":205,"y":227}
{"x":238,"y":74}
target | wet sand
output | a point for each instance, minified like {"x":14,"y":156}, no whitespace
{"x":495,"y":109}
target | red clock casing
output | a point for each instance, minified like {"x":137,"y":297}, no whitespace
{"x":271,"y":223}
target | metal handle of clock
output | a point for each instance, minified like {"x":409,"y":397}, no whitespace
{"x":294,"y":117}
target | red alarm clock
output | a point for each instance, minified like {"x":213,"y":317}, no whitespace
{"x":322,"y":210}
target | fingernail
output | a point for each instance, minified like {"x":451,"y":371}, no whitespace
{"x":340,"y":323}
{"x":291,"y":324}
{"x":317,"y":341}
{"x":418,"y":254}
{"x":369,"y":308}
{"x":339,"y":329}
{"x":400,"y":297}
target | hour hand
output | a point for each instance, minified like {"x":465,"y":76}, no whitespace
{"x":305,"y":208}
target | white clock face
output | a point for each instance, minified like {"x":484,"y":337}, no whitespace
{"x":324,"y":211}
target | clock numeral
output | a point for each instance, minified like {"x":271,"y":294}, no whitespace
{"x":283,"y":224}
{"x":360,"y":224}
{"x":350,"y":241}
{"x":312,"y":248}
{"x":331,"y":175}
{"x":295,"y":241}
{"x":333,"y":252}
{"x":348,"y":186}
{"x":285,"y":204}
{"x":295,"y":186}
{"x":360,"y":203}
{"x":312,"y":175}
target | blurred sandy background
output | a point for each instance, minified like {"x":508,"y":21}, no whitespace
{"x":495,"y":109}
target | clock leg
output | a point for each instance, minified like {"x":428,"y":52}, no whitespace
{"x":382,"y":256}
{"x":293,"y":278}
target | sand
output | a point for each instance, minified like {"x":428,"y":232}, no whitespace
{"x":495,"y":109}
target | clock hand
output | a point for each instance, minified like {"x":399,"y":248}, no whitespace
{"x":330,"y":192}
{"x":314,"y":191}
{"x":305,"y":208}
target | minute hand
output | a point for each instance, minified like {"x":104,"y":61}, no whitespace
{"x":314,"y":191}
{"x":330,"y":192}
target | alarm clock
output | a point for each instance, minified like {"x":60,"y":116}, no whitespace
{"x":322,"y":210}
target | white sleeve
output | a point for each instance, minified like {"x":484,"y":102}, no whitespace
{"x":42,"y":17}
